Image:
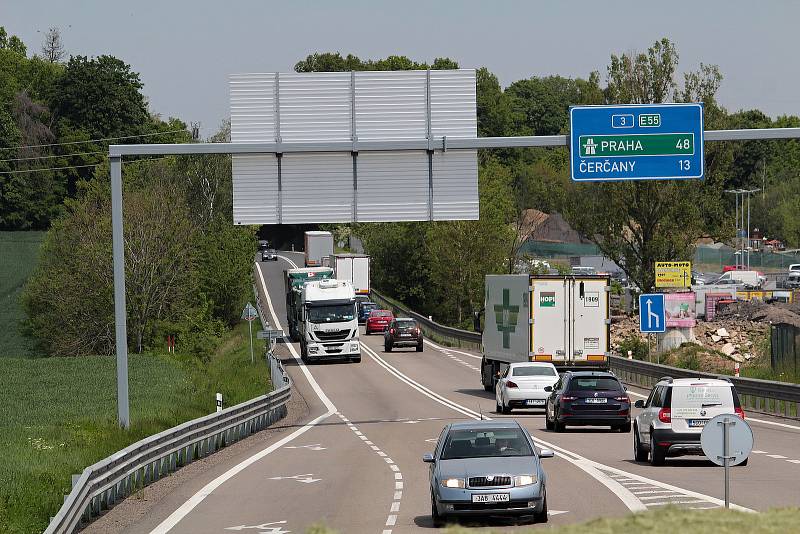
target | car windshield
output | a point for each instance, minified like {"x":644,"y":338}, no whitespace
{"x":537,"y":370}
{"x":406,"y":323}
{"x":591,"y":383}
{"x":331,"y":314}
{"x":485,"y":443}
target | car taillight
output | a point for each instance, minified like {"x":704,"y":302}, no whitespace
{"x":567,"y":398}
{"x":665,"y":415}
{"x":417,"y":331}
{"x":391,"y":331}
{"x":623,"y":399}
{"x":511,"y":384}
{"x":739,"y":412}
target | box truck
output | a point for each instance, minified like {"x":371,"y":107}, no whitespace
{"x":328,"y":325}
{"x":295,"y":279}
{"x":564,"y":320}
{"x":318,"y":245}
{"x":352,"y":267}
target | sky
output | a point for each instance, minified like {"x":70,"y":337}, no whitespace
{"x":185,"y":50}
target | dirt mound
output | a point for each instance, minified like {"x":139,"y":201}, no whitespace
{"x":760,"y":312}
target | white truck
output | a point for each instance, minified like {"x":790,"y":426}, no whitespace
{"x":318,"y":246}
{"x":564,"y":320}
{"x":329,"y":325}
{"x":352,"y":267}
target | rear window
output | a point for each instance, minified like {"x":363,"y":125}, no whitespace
{"x":687,"y":401}
{"x":534,"y":371}
{"x":380,"y":313}
{"x":591,"y":383}
{"x":406,"y":323}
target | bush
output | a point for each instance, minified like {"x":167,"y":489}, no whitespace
{"x":636,"y":345}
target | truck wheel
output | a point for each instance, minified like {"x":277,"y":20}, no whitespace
{"x":419,"y":347}
{"x":488,"y":385}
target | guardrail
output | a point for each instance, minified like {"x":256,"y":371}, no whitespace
{"x":446,"y":335}
{"x":112,"y":479}
{"x":763,"y":396}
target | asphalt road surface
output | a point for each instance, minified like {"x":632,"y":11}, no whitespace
{"x":353,"y":460}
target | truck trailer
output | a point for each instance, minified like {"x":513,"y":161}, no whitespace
{"x":564,"y":320}
{"x":329,"y":326}
{"x":295,"y":279}
{"x":352,"y":267}
{"x":318,"y":246}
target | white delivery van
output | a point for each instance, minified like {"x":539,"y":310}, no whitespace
{"x":564,"y":320}
{"x":745,"y":278}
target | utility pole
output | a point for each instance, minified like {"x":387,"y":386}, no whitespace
{"x":742,"y":236}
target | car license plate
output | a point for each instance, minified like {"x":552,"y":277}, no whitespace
{"x":600,"y":400}
{"x":534,"y":402}
{"x":491,"y":497}
{"x":697,"y":423}
{"x":405,"y":335}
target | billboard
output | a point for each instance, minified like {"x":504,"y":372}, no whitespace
{"x":680,"y":309}
{"x":673,"y":274}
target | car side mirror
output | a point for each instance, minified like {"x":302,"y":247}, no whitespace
{"x":638,"y":404}
{"x":428,"y":458}
{"x":548,"y":389}
{"x":546,"y":453}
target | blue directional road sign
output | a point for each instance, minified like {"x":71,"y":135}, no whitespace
{"x":652,"y":318}
{"x":636,"y":142}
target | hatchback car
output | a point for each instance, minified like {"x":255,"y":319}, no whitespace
{"x":364,"y":309}
{"x":269,"y":254}
{"x":487,"y":468}
{"x":378,"y":321}
{"x":588,"y":398}
{"x":522,"y":386}
{"x":402,"y":332}
{"x":674,"y":414}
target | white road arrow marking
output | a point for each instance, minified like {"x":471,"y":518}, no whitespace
{"x":305,"y":479}
{"x":264,"y":528}
{"x":314,"y":447}
{"x":432,"y":440}
{"x":557,"y":512}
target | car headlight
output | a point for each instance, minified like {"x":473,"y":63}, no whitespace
{"x":453,"y":483}
{"x":353,"y":347}
{"x":313,"y":349}
{"x":525,"y":480}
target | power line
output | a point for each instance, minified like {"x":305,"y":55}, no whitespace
{"x":94,"y":140}
{"x":78,"y":166}
{"x":55,"y":156}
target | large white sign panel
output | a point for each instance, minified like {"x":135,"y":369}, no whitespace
{"x":366,"y":185}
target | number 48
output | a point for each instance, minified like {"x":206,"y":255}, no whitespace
{"x":683,"y":144}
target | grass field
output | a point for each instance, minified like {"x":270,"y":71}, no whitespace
{"x":18,"y":255}
{"x":59,"y":415}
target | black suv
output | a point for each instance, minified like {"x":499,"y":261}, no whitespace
{"x":588,"y":398}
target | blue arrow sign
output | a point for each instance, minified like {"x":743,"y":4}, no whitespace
{"x":636,"y":142}
{"x":652,"y":318}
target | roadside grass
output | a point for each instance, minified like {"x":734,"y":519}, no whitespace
{"x":19,"y":252}
{"x":59,"y":415}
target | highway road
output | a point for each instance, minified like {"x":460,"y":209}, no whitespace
{"x":352,"y":458}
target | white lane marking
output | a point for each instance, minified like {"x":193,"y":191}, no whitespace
{"x":398,"y":485}
{"x":314,"y":447}
{"x":777,"y":456}
{"x":794,"y":461}
{"x":395,"y":506}
{"x":368,"y":442}
{"x":398,"y":495}
{"x":305,"y":479}
{"x":674,"y":502}
{"x":398,"y":476}
{"x":448,"y":349}
{"x":762,"y":421}
{"x":184,"y":509}
{"x":265,"y":528}
{"x":758,"y":452}
{"x":600,"y":472}
{"x":557,"y":512}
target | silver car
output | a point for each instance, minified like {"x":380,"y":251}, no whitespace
{"x":487,"y":468}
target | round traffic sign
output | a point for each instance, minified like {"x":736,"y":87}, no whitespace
{"x":740,"y":439}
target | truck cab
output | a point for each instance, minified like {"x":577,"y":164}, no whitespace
{"x":295,"y":280}
{"x":329,"y":325}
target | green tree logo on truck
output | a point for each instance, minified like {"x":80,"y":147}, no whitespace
{"x":506,"y":318}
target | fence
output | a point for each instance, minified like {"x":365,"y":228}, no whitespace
{"x":108,"y":481}
{"x":446,"y":335}
{"x":785,"y":344}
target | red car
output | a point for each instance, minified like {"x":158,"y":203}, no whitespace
{"x":378,"y":321}
{"x":739,"y":267}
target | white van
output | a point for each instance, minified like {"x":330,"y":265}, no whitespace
{"x":746,"y":278}
{"x":794,"y":268}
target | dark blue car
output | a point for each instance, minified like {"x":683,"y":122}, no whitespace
{"x":363,"y":310}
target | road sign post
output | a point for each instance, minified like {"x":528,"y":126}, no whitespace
{"x":727,"y":440}
{"x":249,"y":314}
{"x":652,"y":315}
{"x":636,"y":142}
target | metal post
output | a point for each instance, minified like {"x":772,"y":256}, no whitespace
{"x":748,"y":231}
{"x":120,"y":308}
{"x":250,"y":326}
{"x":726,"y":423}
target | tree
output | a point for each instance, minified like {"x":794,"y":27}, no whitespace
{"x":52,"y":47}
{"x":638,"y":223}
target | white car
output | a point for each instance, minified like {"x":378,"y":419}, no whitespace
{"x":522,"y":386}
